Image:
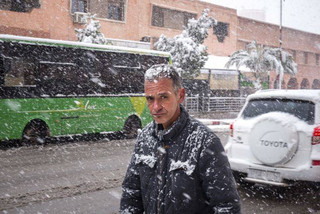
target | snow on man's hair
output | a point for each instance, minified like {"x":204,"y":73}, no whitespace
{"x":161,"y":71}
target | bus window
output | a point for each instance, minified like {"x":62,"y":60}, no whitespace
{"x":125,"y":60}
{"x":18,"y":72}
{"x":57,"y":78}
{"x":148,"y":61}
{"x":91,"y":62}
{"x":92,"y":66}
{"x":129,"y":81}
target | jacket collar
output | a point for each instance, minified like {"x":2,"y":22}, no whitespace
{"x":175,"y":129}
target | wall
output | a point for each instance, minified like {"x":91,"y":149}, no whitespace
{"x":51,"y":20}
{"x":54,"y":20}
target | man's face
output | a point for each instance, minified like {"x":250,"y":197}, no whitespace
{"x":162,"y":101}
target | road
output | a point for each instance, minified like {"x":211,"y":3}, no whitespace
{"x":45,"y":173}
{"x":85,"y":177}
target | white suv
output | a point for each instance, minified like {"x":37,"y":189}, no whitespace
{"x":276,"y":138}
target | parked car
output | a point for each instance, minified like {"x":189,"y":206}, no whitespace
{"x":276,"y":138}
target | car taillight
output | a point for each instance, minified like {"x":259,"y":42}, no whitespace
{"x":316,"y":136}
{"x":315,"y":162}
{"x":231,"y":129}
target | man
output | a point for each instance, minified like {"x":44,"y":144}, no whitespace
{"x":178,"y":165}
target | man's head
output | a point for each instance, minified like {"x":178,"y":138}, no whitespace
{"x":164,"y":93}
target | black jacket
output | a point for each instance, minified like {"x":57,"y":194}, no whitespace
{"x":183,"y":169}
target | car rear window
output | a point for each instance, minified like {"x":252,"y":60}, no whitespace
{"x":303,"y":110}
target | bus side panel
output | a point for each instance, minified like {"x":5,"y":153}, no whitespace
{"x":68,"y":116}
{"x":10,"y":120}
{"x":103,"y":114}
{"x":109,"y":114}
{"x":19,"y":112}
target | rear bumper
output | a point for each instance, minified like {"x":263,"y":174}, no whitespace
{"x":303,"y":173}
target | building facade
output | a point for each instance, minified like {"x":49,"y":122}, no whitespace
{"x":146,"y":20}
{"x":303,"y":46}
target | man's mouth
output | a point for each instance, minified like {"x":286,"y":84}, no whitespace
{"x":157,"y":115}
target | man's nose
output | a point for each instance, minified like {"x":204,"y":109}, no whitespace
{"x":157,"y":105}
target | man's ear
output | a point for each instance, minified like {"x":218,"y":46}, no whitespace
{"x":181,"y":94}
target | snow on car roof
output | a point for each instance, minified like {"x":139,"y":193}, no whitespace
{"x":311,"y":95}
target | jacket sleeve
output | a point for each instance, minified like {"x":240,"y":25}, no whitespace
{"x":131,"y":200}
{"x":217,"y":179}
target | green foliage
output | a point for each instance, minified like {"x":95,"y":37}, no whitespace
{"x":246,"y":84}
{"x":265,"y":85}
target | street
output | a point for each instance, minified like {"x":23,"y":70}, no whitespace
{"x":85,"y":177}
{"x":30,"y":175}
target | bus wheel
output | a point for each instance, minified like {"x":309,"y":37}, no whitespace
{"x":131,"y":127}
{"x":35,"y":133}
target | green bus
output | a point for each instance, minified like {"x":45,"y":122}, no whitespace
{"x":62,"y":88}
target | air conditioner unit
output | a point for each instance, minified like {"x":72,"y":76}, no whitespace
{"x":80,"y":17}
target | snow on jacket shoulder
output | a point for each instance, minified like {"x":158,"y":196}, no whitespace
{"x":183,"y":169}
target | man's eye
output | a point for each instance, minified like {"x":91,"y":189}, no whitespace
{"x":149,"y":99}
{"x":164,"y":97}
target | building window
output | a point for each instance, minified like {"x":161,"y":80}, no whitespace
{"x":305,"y":57}
{"x":116,"y":10}
{"x":19,"y":5}
{"x":167,"y":18}
{"x":108,"y":9}
{"x":157,"y":17}
{"x":221,"y":30}
{"x":317,"y":59}
{"x":79,"y":6}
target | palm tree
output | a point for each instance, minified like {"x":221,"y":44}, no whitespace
{"x":288,"y":64}
{"x":261,"y":60}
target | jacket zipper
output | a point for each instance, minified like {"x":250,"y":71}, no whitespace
{"x":159,"y":182}
{"x":160,"y":172}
